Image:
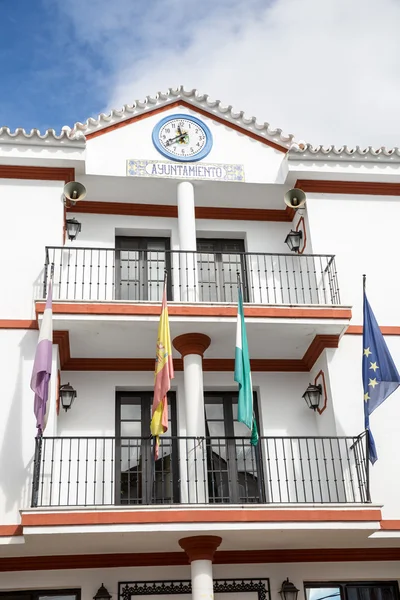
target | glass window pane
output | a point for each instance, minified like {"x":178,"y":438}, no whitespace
{"x":131,"y":428}
{"x":216,"y":428}
{"x":214,"y":411}
{"x":156,"y":245}
{"x":129,"y":255}
{"x":323,"y":593}
{"x":131,"y":411}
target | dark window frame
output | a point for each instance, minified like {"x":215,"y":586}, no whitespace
{"x":36,"y":594}
{"x":227,"y":404}
{"x":344,"y":586}
{"x":146,"y":443}
{"x":140,"y":244}
{"x":219,"y":250}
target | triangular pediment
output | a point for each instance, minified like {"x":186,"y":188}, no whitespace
{"x":193,"y":100}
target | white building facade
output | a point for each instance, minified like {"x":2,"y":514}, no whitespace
{"x":183,"y":185}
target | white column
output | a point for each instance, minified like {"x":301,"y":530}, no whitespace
{"x":194,"y":395}
{"x":187,"y":242}
{"x":202,"y":579}
{"x":200,"y":551}
{"x":192,"y":347}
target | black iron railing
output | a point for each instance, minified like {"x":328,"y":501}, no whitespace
{"x":106,"y":274}
{"x":98,"y":471}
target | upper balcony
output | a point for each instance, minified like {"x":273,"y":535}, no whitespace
{"x":291,"y":302}
{"x":109,"y":274}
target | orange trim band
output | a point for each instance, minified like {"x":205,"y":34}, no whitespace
{"x":368,"y":188}
{"x":171,"y":212}
{"x":18,"y":324}
{"x":200,"y":516}
{"x":10,"y":530}
{"x":201,"y":111}
{"x":390,"y":524}
{"x":386,"y":330}
{"x":221,"y":557}
{"x":79,"y":308}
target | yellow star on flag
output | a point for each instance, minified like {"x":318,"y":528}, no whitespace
{"x":367,"y":352}
{"x":373,"y":383}
{"x":374,"y":366}
{"x":366,"y":397}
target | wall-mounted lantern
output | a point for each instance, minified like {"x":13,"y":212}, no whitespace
{"x":102,"y":593}
{"x":288,"y":591}
{"x":293,"y":240}
{"x":73,"y":228}
{"x":67,"y":396}
{"x":312,"y":396}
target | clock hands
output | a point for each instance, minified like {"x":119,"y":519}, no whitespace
{"x":178,"y":138}
{"x":181,"y":137}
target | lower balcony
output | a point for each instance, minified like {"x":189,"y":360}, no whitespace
{"x":109,"y":471}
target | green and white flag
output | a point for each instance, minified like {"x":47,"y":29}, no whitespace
{"x":243,"y":374}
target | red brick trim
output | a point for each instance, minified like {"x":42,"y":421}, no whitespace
{"x":222,"y":557}
{"x":302,"y":227}
{"x":197,"y":109}
{"x":62,"y":339}
{"x":320,"y":378}
{"x":200,"y":547}
{"x":317,"y":346}
{"x":258,"y":365}
{"x":191,"y":343}
{"x":39,"y":173}
{"x":171,"y":211}
{"x":367,"y":188}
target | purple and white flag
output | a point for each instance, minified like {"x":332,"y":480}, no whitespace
{"x":42,"y":366}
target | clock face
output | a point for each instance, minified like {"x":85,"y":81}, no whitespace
{"x":182,"y":138}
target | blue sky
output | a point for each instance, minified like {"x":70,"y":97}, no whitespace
{"x":43,"y":83}
{"x":328,"y":72}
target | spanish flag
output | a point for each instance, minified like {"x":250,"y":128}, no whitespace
{"x":164,"y":372}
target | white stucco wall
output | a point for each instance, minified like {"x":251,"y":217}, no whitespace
{"x":89,"y":580}
{"x":33,"y":218}
{"x":362,"y":231}
{"x":261,"y":162}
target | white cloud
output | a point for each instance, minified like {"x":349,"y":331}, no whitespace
{"x":325,"y":70}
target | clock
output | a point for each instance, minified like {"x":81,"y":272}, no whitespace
{"x":183,"y":138}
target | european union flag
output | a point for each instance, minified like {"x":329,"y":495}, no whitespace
{"x":380,"y":376}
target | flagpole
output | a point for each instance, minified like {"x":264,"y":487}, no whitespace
{"x":36,"y":468}
{"x":154,"y":438}
{"x":366,"y":431}
{"x":39,"y":436}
